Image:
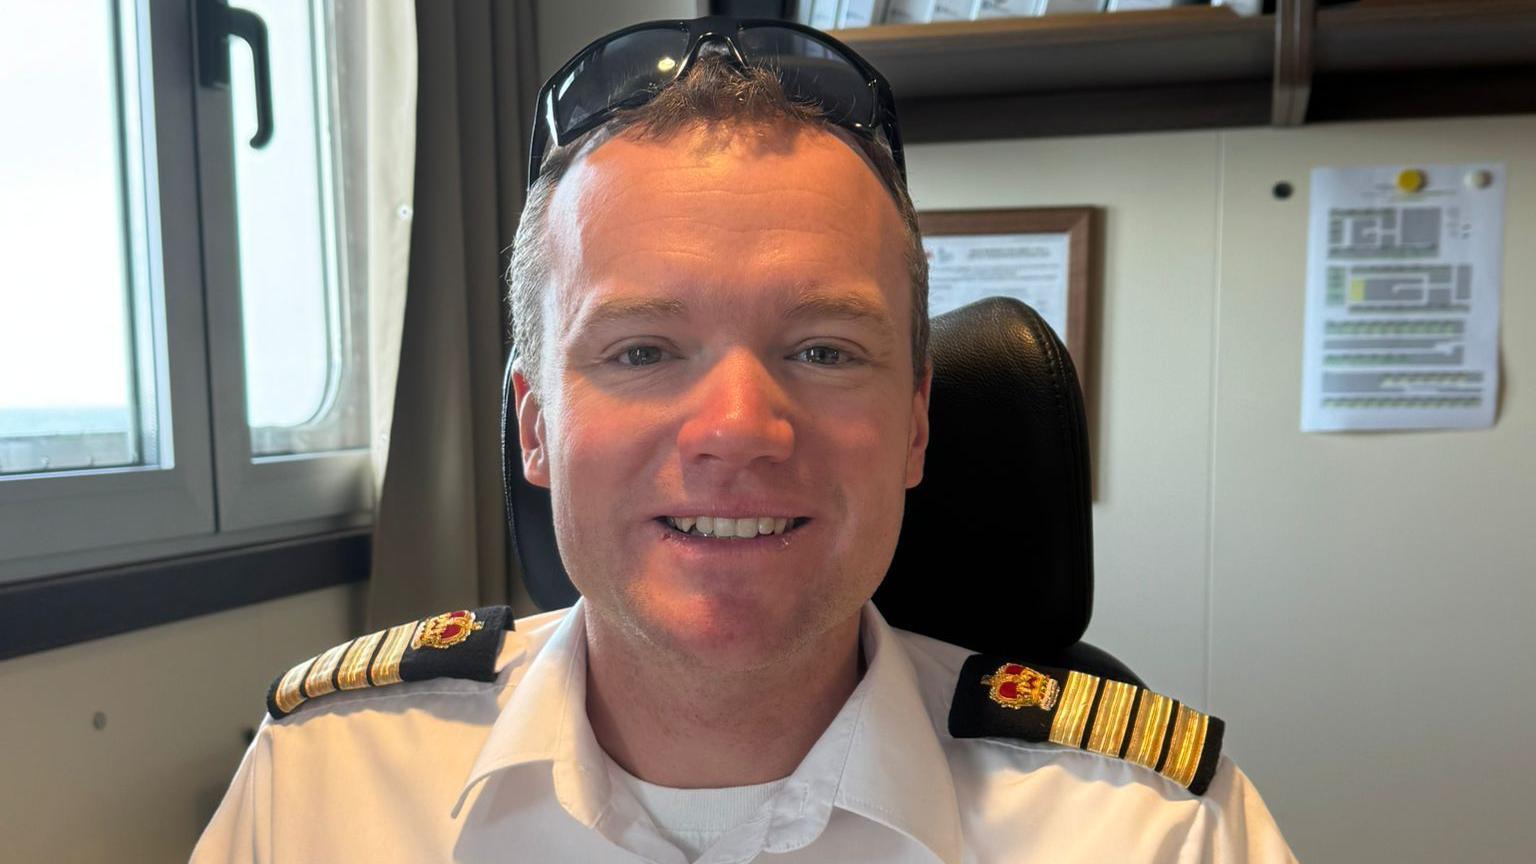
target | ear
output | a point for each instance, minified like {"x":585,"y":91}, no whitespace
{"x":531,"y":435}
{"x":917,"y":447}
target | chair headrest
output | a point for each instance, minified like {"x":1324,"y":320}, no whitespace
{"x":996,"y":549}
{"x":996,"y":546}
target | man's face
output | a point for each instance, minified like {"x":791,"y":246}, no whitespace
{"x":727,"y":335}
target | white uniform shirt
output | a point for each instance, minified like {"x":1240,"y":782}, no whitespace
{"x":452,"y":770}
{"x":693,"y":819}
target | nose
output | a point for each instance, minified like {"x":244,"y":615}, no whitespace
{"x":737,"y":414}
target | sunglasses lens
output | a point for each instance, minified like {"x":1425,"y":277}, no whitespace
{"x":812,"y":72}
{"x":637,"y":63}
{"x":632,"y":68}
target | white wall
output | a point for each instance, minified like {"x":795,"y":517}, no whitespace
{"x":177,"y":701}
{"x":1358,"y":607}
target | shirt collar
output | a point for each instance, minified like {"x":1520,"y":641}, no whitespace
{"x":897,"y":773}
{"x":879,"y":758}
{"x":545,"y":720}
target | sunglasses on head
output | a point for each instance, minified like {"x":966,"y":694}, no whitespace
{"x":628,"y":68}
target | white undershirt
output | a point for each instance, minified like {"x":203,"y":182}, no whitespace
{"x":693,"y":819}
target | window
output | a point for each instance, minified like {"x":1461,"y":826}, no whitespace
{"x":303,"y":340}
{"x":183,"y":354}
{"x":76,"y":342}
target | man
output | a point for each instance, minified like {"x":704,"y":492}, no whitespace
{"x":722,"y":378}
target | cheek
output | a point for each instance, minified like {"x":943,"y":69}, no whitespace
{"x":592,"y":471}
{"x":872,"y":434}
{"x":592,"y":429}
{"x":865,"y":448}
{"x":602,"y":456}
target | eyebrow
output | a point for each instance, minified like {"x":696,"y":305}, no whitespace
{"x":809,"y":302}
{"x":629,"y":308}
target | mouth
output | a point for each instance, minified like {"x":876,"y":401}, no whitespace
{"x":733,"y":527}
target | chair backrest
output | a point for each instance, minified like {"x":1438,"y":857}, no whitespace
{"x":996,"y":548}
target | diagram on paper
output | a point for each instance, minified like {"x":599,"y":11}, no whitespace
{"x":1402,"y":298}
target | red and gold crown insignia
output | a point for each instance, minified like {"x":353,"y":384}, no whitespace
{"x":446,"y":630}
{"x":1015,"y":686}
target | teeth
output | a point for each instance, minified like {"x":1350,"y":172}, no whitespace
{"x":744,"y":527}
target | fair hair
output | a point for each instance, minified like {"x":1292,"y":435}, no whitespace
{"x":717,"y":96}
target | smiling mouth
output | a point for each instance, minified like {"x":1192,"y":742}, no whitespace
{"x":728,"y":528}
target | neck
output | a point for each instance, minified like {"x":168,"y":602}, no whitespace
{"x":673,"y":725}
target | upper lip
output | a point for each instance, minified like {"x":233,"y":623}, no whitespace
{"x":738,"y":508}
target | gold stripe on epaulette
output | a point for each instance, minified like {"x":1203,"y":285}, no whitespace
{"x":290,"y":692}
{"x":1072,"y":711}
{"x":1147,"y":731}
{"x":318,"y":682}
{"x":1114,"y":714}
{"x":1185,"y":748}
{"x":353,"y":674}
{"x":386,"y":667}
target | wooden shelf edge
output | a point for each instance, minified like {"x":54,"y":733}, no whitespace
{"x":1369,"y":15}
{"x":1426,"y":35}
{"x":966,"y":80}
{"x":1150,"y":25}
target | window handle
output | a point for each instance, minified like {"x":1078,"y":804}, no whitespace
{"x":216,"y":22}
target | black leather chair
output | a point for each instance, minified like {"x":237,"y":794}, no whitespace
{"x":996,"y":548}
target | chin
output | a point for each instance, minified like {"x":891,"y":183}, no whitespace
{"x":723,"y":633}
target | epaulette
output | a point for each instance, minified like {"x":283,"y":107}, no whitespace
{"x":998,"y":698}
{"x":461,"y":644}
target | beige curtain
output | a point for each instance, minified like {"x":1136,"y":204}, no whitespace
{"x":387,"y":34}
{"x":440,"y":539}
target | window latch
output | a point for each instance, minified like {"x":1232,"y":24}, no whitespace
{"x":216,"y":22}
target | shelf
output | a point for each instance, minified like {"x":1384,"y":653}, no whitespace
{"x":1426,"y":36}
{"x":1204,"y":67}
{"x":1058,"y":52}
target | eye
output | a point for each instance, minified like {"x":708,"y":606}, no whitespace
{"x":640,"y":355}
{"x":824,"y":355}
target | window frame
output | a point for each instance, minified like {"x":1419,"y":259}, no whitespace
{"x":254,"y":493}
{"x":213,"y":495}
{"x":48,"y":514}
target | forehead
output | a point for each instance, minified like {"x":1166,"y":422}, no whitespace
{"x":773,"y":204}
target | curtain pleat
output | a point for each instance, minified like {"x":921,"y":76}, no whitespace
{"x":385,"y":44}
{"x":440,"y":539}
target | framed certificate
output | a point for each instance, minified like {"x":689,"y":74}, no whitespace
{"x":1042,"y":256}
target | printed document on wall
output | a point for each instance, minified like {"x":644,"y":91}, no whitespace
{"x":1033,"y":268}
{"x":1402,"y":327}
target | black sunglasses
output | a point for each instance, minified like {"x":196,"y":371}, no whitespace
{"x":629,"y":67}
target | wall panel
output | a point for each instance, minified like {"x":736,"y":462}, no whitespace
{"x":1373,"y":597}
{"x":177,"y":700}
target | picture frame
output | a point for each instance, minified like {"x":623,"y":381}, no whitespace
{"x":1044,"y":256}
